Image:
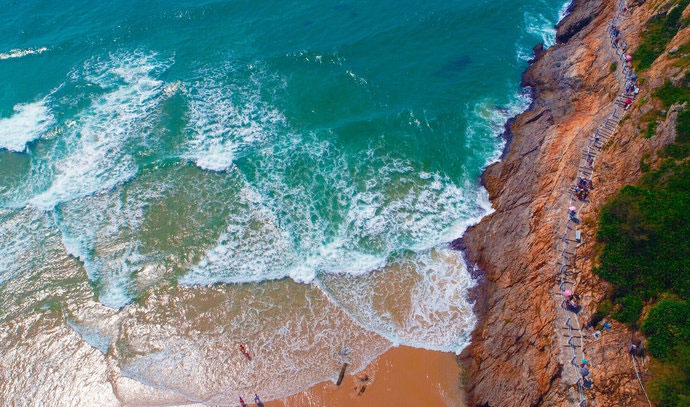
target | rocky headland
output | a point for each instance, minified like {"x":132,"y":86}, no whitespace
{"x":517,"y":353}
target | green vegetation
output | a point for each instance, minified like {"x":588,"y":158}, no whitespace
{"x":644,"y":163}
{"x":613,"y":67}
{"x":670,"y":94}
{"x":671,"y":376}
{"x":668,"y":326}
{"x":650,"y":120}
{"x":645,"y":231}
{"x":682,"y":56}
{"x":668,"y":329}
{"x":646,"y":256}
{"x":660,"y":30}
{"x":651,"y":129}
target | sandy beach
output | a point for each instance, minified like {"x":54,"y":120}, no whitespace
{"x":403,"y":376}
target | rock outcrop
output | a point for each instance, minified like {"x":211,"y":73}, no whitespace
{"x":516,"y":354}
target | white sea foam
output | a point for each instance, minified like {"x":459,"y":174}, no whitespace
{"x":487,"y":121}
{"x":280,"y":227}
{"x":18,"y":53}
{"x":92,"y":335}
{"x":523,"y":54}
{"x":101,"y":231}
{"x":542,"y":27}
{"x":29,"y":122}
{"x":226,"y":118}
{"x":15,"y":251}
{"x":563,"y":12}
{"x":294,"y":343}
{"x":99,"y":144}
{"x":252,"y":249}
{"x":419,"y":300}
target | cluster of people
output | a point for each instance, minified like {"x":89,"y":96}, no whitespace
{"x":585,"y":183}
{"x":583,"y":187}
{"x":570,"y":300}
{"x":615,"y":36}
{"x":630,"y":78}
{"x":257,"y":400}
{"x":630,"y":89}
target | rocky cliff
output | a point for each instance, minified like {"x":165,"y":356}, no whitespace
{"x":517,"y":353}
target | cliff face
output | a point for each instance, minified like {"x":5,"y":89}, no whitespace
{"x":517,"y":353}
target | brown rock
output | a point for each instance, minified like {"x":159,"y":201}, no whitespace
{"x":515,"y":358}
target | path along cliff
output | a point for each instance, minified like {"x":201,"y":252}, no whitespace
{"x":517,"y":356}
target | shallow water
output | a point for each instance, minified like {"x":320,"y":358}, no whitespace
{"x":177,"y":179}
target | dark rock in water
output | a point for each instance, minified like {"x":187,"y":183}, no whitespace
{"x":537,"y":51}
{"x":457,"y":244}
{"x":581,"y":13}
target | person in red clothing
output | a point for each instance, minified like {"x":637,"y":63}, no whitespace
{"x":245,"y":351}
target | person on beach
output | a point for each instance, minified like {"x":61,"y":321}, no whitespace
{"x":242,"y":403}
{"x":257,"y":400}
{"x":245,"y":352}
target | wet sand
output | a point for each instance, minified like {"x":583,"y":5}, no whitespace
{"x":403,"y":376}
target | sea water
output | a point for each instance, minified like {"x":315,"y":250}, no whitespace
{"x":180,"y":177}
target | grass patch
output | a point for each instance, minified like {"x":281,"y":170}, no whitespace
{"x":671,"y":377}
{"x":613,"y":67}
{"x":670,"y":94}
{"x":660,"y":30}
{"x":645,"y":166}
{"x":682,"y":56}
{"x":628,"y":310}
{"x":668,"y":326}
{"x":646,"y":232}
{"x":650,"y":131}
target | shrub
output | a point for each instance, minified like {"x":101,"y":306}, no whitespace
{"x":629,"y":311}
{"x":651,"y":129}
{"x":646,"y":235}
{"x":667,"y":325}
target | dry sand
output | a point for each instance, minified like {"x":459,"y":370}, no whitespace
{"x":403,"y":376}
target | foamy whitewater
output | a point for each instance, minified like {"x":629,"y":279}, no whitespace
{"x":176,"y":179}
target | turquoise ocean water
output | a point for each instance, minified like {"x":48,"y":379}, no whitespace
{"x":321,"y":152}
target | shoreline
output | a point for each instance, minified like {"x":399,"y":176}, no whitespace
{"x":327,"y":393}
{"x":402,"y":375}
